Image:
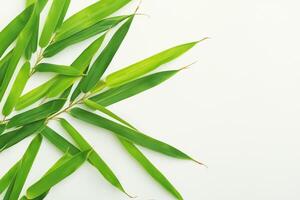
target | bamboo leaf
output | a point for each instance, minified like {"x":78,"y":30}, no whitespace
{"x":128,"y":134}
{"x":8,"y":177}
{"x":93,"y":30}
{"x":150,"y":168}
{"x":57,"y":175}
{"x":136,"y":153}
{"x":33,"y":43}
{"x":39,"y":113}
{"x":105,"y":58}
{"x":13,"y":137}
{"x":104,"y":110}
{"x":24,"y":168}
{"x":88,"y":17}
{"x":29,"y":2}
{"x":9,"y":34}
{"x":59,"y":69}
{"x":52,"y":22}
{"x":17,"y":89}
{"x":2,"y":127}
{"x":132,"y":88}
{"x":143,"y":67}
{"x":94,"y":157}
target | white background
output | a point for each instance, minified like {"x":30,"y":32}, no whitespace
{"x":237,"y":109}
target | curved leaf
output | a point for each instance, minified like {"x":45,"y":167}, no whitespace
{"x":128,"y":134}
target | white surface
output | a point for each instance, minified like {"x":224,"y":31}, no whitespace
{"x":237,"y":109}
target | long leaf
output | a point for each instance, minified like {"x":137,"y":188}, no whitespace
{"x":128,"y":134}
{"x":58,"y":69}
{"x":100,"y":65}
{"x":132,"y":88}
{"x":52,"y":21}
{"x":136,"y":153}
{"x":9,"y":34}
{"x":13,"y":137}
{"x":94,"y":157}
{"x":17,"y":89}
{"x":24,"y":169}
{"x":57,"y":175}
{"x":93,"y":30}
{"x":8,"y":177}
{"x":143,"y":67}
{"x":39,"y":113}
{"x":88,"y":17}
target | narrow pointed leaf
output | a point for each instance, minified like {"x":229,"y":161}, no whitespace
{"x":128,"y":133}
{"x":32,"y":45}
{"x":13,"y":137}
{"x":2,"y":127}
{"x":9,"y":34}
{"x":105,"y":58}
{"x":52,"y":21}
{"x":94,"y":158}
{"x":104,"y":110}
{"x":25,"y":166}
{"x":41,"y":112}
{"x":8,"y":177}
{"x":58,"y":69}
{"x":150,"y":168}
{"x":143,"y":67}
{"x":132,"y":88}
{"x":93,"y":30}
{"x":89,"y":16}
{"x":57,"y":175}
{"x":17,"y":89}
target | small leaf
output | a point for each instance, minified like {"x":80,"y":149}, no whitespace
{"x":9,"y":34}
{"x":128,"y":134}
{"x":93,"y":30}
{"x":143,"y":67}
{"x":100,"y":65}
{"x":59,"y":69}
{"x":57,"y":175}
{"x":39,"y":113}
{"x":132,"y":88}
{"x":24,"y":168}
{"x":13,"y":137}
{"x":94,"y":158}
{"x":88,"y":17}
{"x":53,"y":18}
{"x":17,"y":89}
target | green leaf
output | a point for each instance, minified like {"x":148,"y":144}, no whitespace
{"x":8,"y":177}
{"x":88,"y":17}
{"x":104,"y":110}
{"x":9,"y":34}
{"x":57,"y":175}
{"x":94,"y":158}
{"x":150,"y":168}
{"x":128,"y":134}
{"x":24,"y":168}
{"x":93,"y":30}
{"x":60,"y":83}
{"x":132,"y":88}
{"x":143,"y":67}
{"x":13,"y":137}
{"x":19,"y":49}
{"x":136,"y":153}
{"x":2,"y":127}
{"x":41,"y":112}
{"x":4,"y":66}
{"x":17,"y":89}
{"x":29,"y":2}
{"x":105,"y":58}
{"x":59,"y":69}
{"x":32,"y":45}
{"x":52,"y":22}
